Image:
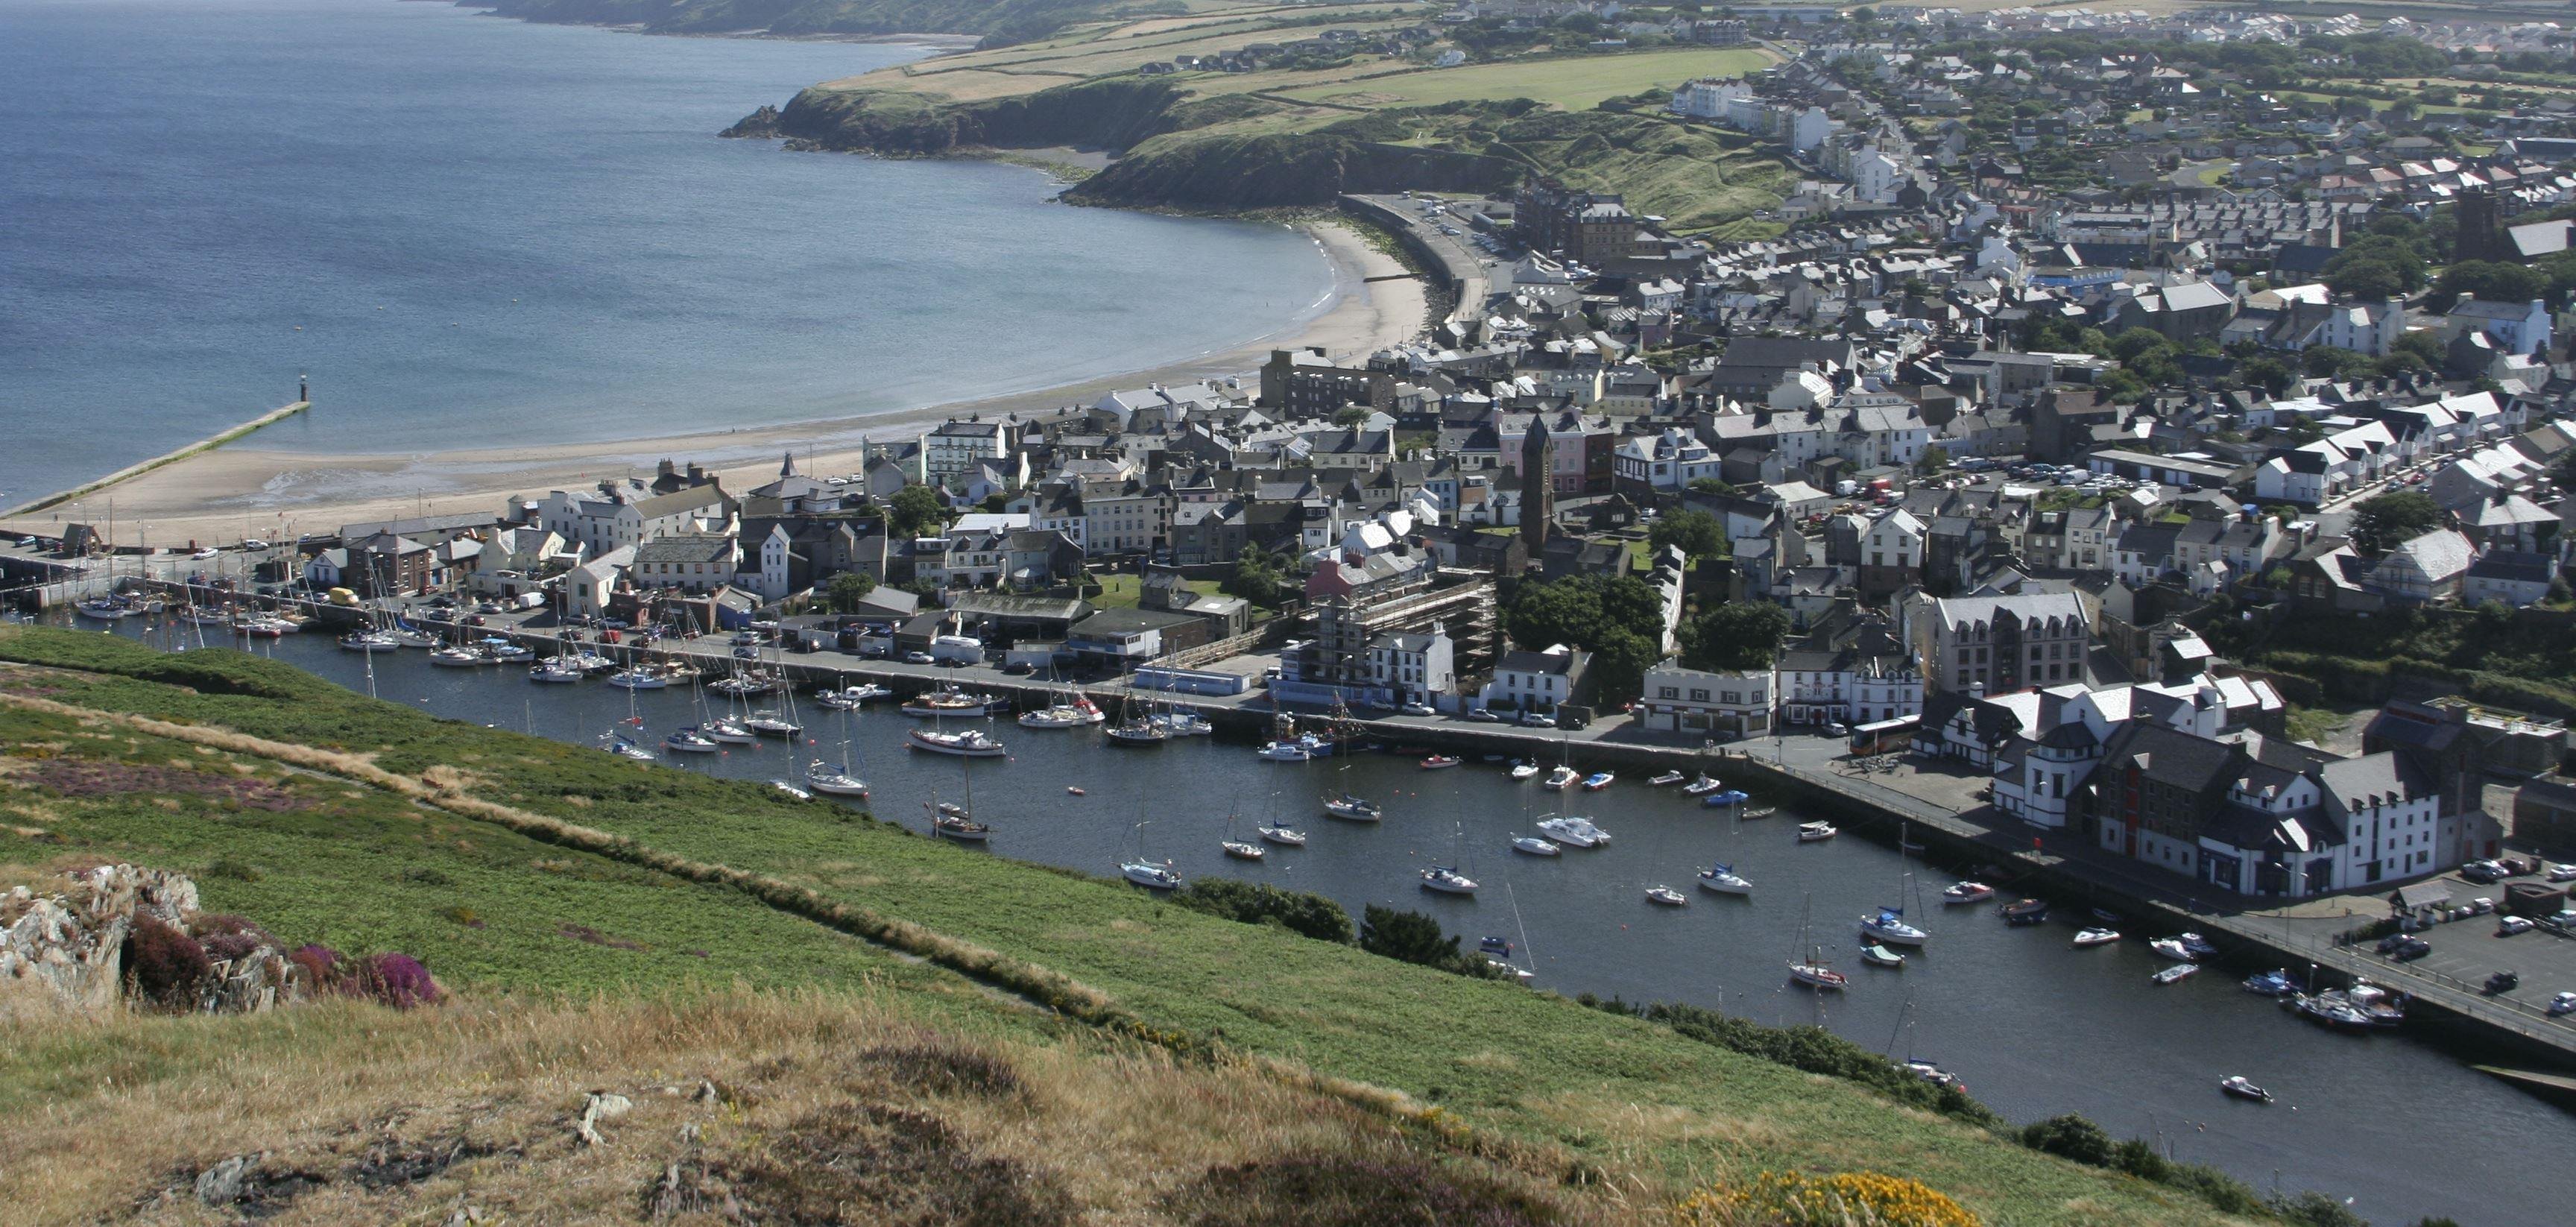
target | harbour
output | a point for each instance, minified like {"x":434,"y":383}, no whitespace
{"x":2020,"y":1014}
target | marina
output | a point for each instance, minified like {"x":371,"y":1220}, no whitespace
{"x":2018,"y":1013}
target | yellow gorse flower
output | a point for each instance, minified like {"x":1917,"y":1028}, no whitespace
{"x":1848,"y":1199}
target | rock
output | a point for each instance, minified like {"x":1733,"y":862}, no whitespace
{"x":707,"y":1092}
{"x":600,"y":1106}
{"x":65,"y":952}
{"x":221,"y":1185}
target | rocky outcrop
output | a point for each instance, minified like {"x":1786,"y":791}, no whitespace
{"x":65,"y":952}
{"x":1113,"y":113}
{"x":760,"y":124}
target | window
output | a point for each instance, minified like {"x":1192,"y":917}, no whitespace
{"x":1699,"y":695}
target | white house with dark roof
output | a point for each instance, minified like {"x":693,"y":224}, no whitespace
{"x":2428,"y":568}
{"x":2517,"y":327}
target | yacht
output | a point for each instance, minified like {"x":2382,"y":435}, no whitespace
{"x":1968,"y":892}
{"x":953,"y":822}
{"x":1724,"y":880}
{"x":1535,"y":846}
{"x":558,"y":671}
{"x":1667,"y":896}
{"x":768,"y":723}
{"x":104,"y":608}
{"x":1560,"y":779}
{"x":1138,"y":732}
{"x":1816,"y":832}
{"x":1282,"y":834}
{"x":1242,"y":850}
{"x":1150,"y":875}
{"x":729,"y":731}
{"x":369,"y":641}
{"x":641,"y":678}
{"x":1888,"y":925}
{"x":968,"y":744}
{"x":1447,"y":881}
{"x":833,"y":781}
{"x":1080,"y":714}
{"x":1816,"y":975}
{"x":2087,"y":938}
{"x":1573,"y":832}
{"x":1352,"y":809}
{"x":689,"y":740}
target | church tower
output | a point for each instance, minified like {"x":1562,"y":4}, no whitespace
{"x":1538,"y":485}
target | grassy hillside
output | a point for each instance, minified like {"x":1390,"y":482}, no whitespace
{"x":997,"y":20}
{"x":1300,"y":130}
{"x":514,"y":865}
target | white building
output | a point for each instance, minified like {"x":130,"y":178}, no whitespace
{"x":626,"y":513}
{"x":1414,"y":667}
{"x":1533,"y":681}
{"x":1697,"y":701}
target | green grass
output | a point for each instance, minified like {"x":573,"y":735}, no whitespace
{"x":1614,"y":1091}
{"x":1573,"y":83}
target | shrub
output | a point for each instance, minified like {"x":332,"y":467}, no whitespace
{"x":1848,"y":1199}
{"x":321,"y":966}
{"x":231,"y":937}
{"x":163,"y":965}
{"x":1327,"y":1190}
{"x":2069,"y":1137}
{"x":239,"y":871}
{"x":2314,"y":1209}
{"x":396,"y":980}
{"x":1302,"y":913}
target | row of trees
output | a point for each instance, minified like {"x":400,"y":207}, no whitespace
{"x":1619,"y":620}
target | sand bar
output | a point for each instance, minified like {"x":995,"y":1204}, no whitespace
{"x":229,"y":493}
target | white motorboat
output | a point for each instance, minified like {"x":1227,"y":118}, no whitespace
{"x":868,"y":692}
{"x":1968,"y":892}
{"x":1283,"y":835}
{"x":1448,"y":881}
{"x":1523,"y":771}
{"x":370,"y":642}
{"x":1560,"y":778}
{"x":1669,"y":777}
{"x":1150,"y":875}
{"x":969,"y":743}
{"x":267,"y":628}
{"x":1666,"y":896}
{"x":1535,"y":846}
{"x":1285,"y":752}
{"x":2176,"y":974}
{"x":1702,"y":786}
{"x":556,"y":672}
{"x":509,"y":653}
{"x":2241,"y":1087}
{"x":2171,"y":948}
{"x":1573,"y":832}
{"x":1888,"y":925}
{"x":833,"y":781}
{"x":730,"y":731}
{"x":830,"y":700}
{"x":2086,"y":939}
{"x":458,"y":658}
{"x":1062,"y":716}
{"x":1724,"y":880}
{"x":1816,"y":832}
{"x":689,"y":740}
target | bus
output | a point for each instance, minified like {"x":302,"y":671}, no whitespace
{"x":1885,"y":736}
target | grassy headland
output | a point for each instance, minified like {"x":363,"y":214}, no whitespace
{"x":518,"y":867}
{"x":1305,"y":126}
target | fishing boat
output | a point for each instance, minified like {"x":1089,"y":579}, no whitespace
{"x":2273,"y":983}
{"x":1535,"y":846}
{"x":1573,"y":832}
{"x":1888,"y":925}
{"x":1597,"y":781}
{"x":1349,"y":808}
{"x":1812,"y":970}
{"x":1725,"y":797}
{"x":970,"y":743}
{"x":2024,"y":912}
{"x":1282,"y":834}
{"x":1702,"y":786}
{"x":1666,"y":779}
{"x":2241,"y":1087}
{"x":689,"y":740}
{"x":1523,"y":771}
{"x":767,"y":722}
{"x":791,"y":790}
{"x":949,"y":702}
{"x":1439,"y":761}
{"x":2172,"y":948}
{"x":638,"y":679}
{"x":2176,"y":974}
{"x":1816,"y":832}
{"x":2085,"y":939}
{"x":1285,"y":751}
{"x":2384,"y":1008}
{"x":1968,"y":892}
{"x":1666,"y":896}
{"x":1724,"y":880}
{"x":834,"y":781}
{"x":1560,"y":778}
{"x":1880,"y":956}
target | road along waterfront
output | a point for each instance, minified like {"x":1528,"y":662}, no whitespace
{"x":2034,"y":1026}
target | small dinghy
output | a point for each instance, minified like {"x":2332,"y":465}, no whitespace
{"x":1880,"y":956}
{"x":1669,"y":777}
{"x":2177,"y":973}
{"x":1666,"y":896}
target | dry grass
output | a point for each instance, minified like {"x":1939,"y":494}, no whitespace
{"x":819,"y":1101}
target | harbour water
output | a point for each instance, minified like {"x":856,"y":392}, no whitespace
{"x":2034,"y":1026}
{"x":476,"y":233}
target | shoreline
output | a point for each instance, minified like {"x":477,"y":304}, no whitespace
{"x":224,"y":495}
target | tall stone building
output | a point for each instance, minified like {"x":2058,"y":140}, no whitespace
{"x":1538,"y":485}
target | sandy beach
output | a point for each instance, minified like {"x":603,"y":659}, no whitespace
{"x":242,"y":491}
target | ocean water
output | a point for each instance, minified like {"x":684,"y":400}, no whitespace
{"x":474,"y":232}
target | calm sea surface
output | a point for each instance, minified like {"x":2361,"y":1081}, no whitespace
{"x":475,"y":232}
{"x":2035,"y":1026}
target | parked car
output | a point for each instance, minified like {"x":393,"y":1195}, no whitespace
{"x":253,"y":543}
{"x":1418,"y":709}
{"x":2481,"y":905}
{"x":1538,"y":720}
{"x":2483,"y":872}
{"x":916,"y":658}
{"x":1485,"y":714}
{"x":2562,"y":873}
{"x":2503,"y":982}
{"x":1837,"y":728}
{"x":2511,"y":925}
{"x":1019,"y":667}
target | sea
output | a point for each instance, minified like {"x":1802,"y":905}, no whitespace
{"x":473,"y":232}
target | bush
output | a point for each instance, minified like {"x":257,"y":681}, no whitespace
{"x":231,"y":937}
{"x":1814,"y":1050}
{"x":1847,"y":1199}
{"x":2069,"y":1137}
{"x":396,"y":980}
{"x":1299,"y":912}
{"x":164,"y":966}
{"x":2313,"y":1209}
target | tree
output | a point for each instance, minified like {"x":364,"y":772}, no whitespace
{"x":2381,"y":524}
{"x":849,"y":588}
{"x":914,"y":508}
{"x":1711,"y":485}
{"x":2378,"y":266}
{"x":1411,"y":937}
{"x":2266,"y":373}
{"x":2328,"y":362}
{"x":2489,"y":281}
{"x":1697,"y":532}
{"x":1737,"y":635}
{"x":1934,"y":459}
{"x":1350,"y":416}
{"x":1620,"y":659}
{"x":1257,"y":577}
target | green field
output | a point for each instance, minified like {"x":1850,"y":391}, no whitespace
{"x":360,"y":867}
{"x":1572,"y":82}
